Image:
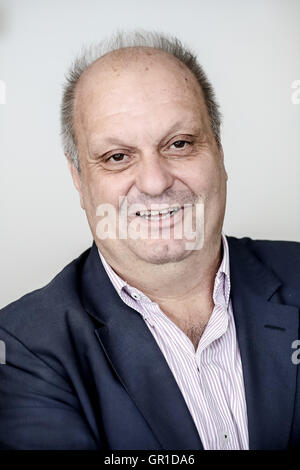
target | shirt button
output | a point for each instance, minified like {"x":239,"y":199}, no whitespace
{"x":135,"y":296}
{"x":225,"y":438}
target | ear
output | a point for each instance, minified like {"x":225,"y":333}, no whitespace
{"x":76,"y":179}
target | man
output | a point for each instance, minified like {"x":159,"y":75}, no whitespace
{"x":150,"y":339}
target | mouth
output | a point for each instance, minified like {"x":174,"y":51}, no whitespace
{"x":158,"y":214}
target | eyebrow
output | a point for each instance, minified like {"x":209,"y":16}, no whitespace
{"x":193,"y":126}
{"x":193,"y":123}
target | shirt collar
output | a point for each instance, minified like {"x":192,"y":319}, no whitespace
{"x":222,"y":284}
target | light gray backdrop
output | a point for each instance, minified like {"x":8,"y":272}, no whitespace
{"x":251,"y":52}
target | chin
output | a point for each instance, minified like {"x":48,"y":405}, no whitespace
{"x":161,"y":252}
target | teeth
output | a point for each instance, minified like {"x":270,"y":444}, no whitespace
{"x":153,"y":213}
{"x":162,"y":214}
{"x":165,"y":211}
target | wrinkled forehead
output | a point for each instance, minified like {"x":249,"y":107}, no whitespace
{"x":130,"y":80}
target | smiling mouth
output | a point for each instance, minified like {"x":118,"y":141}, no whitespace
{"x":158,"y":214}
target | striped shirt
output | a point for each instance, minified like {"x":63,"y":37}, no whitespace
{"x":210,"y":378}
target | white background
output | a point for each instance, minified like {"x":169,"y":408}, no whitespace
{"x":251,"y":52}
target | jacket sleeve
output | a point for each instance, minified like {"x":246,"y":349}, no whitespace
{"x":38,"y":407}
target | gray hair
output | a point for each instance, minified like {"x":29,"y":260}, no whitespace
{"x":120,"y":40}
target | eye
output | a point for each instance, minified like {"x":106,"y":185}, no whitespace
{"x":180,"y":144}
{"x":117,"y":158}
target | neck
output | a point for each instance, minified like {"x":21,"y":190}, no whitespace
{"x":177,"y":282}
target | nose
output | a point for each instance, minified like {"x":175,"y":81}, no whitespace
{"x":153,"y":176}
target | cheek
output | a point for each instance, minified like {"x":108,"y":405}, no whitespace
{"x":203,"y":178}
{"x":106,"y":189}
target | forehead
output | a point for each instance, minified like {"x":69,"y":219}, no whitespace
{"x":135,"y":83}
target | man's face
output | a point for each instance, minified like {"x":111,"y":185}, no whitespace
{"x":143,"y":133}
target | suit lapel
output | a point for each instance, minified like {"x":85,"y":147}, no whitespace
{"x":265,"y":332}
{"x":137,"y":360}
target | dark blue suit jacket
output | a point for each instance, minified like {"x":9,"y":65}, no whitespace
{"x":83,"y":371}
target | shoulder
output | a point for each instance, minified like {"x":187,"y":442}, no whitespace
{"x":39,"y":315}
{"x":269,"y":250}
{"x":281,"y":256}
